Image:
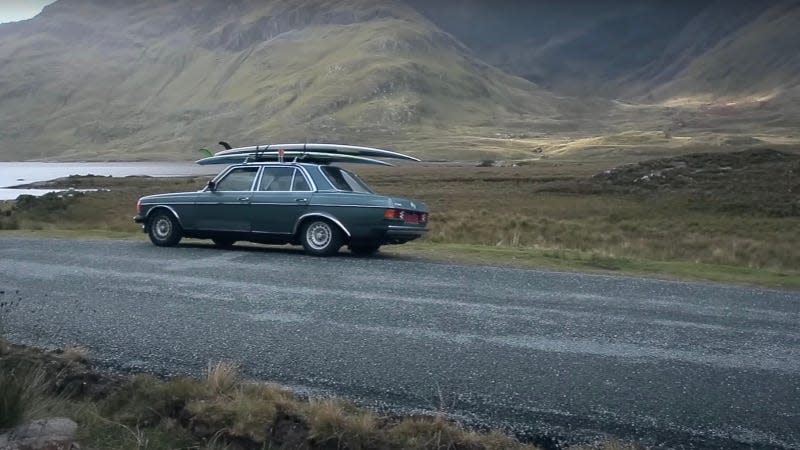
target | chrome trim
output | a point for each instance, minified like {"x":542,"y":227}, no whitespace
{"x":308,"y":178}
{"x":222,"y":203}
{"x":349,"y":206}
{"x":279,"y":204}
{"x":296,"y":166}
{"x":405,"y":229}
{"x":323,"y":215}
{"x":259,"y":175}
{"x":272,"y":232}
{"x":230,"y":169}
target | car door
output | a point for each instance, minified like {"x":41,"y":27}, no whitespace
{"x":281,"y":197}
{"x":227,"y":207}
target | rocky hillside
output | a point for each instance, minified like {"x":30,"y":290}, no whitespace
{"x":617,"y":48}
{"x":90,"y":77}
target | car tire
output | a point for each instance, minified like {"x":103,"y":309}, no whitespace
{"x":223,"y":243}
{"x":164,"y":229}
{"x":321,"y":237}
{"x":364,"y":249}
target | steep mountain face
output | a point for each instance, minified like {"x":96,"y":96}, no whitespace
{"x":616,"y":48}
{"x":760,"y":55}
{"x":90,"y":77}
{"x":158,"y":78}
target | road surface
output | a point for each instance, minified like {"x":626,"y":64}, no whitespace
{"x":556,"y":357}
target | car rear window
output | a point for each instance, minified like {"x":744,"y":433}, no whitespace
{"x":344,"y":180}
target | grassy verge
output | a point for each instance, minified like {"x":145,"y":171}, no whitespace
{"x":587,"y":262}
{"x":717,"y":219}
{"x":218,"y":411}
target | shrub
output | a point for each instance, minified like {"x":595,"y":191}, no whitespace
{"x":331,"y":420}
{"x":221,"y":377}
{"x":145,"y":401}
{"x":247,"y":411}
{"x":23,"y":390}
{"x":12,"y":399}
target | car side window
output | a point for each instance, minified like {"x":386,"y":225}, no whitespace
{"x":276,"y":179}
{"x":300,"y":183}
{"x":335,"y":177}
{"x":239,"y":179}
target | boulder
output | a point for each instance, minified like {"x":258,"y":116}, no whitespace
{"x":48,"y":434}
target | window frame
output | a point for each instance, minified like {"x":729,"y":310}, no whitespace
{"x":296,"y":170}
{"x":234,"y":169}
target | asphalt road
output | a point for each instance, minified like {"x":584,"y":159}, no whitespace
{"x":567,"y":356}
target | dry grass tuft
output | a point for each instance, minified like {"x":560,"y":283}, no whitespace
{"x":334,"y":421}
{"x":75,"y":354}
{"x":24,"y":393}
{"x":246,"y":411}
{"x":222,"y":377}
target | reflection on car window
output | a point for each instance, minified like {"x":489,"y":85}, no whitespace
{"x":240,"y":179}
{"x":344,"y":180}
{"x":276,"y":179}
{"x":300,"y":183}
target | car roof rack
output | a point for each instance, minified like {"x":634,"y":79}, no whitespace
{"x":306,"y":153}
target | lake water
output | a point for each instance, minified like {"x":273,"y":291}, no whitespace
{"x":16,"y":173}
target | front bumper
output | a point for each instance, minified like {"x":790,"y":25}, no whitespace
{"x":142,"y":220}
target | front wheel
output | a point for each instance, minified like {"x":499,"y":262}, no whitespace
{"x":164,"y":230}
{"x":321,"y":238}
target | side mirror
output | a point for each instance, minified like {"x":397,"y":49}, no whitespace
{"x":211,"y":186}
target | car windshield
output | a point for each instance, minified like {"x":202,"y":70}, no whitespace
{"x":344,"y":180}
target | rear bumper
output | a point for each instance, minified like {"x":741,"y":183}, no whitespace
{"x":398,"y":234}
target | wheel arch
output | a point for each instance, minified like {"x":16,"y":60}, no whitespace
{"x":319,"y":215}
{"x":169,"y":209}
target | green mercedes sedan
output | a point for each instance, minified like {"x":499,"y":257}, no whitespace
{"x":265,"y":200}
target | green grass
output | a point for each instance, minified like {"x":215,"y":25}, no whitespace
{"x":535,"y":216}
{"x":576,"y":261}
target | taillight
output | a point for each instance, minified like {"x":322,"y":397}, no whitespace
{"x":394,"y":214}
{"x":139,"y":206}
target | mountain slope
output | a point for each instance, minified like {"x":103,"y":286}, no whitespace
{"x":93,"y":79}
{"x":762,"y":56}
{"x":462,"y":79}
{"x":619,"y":48}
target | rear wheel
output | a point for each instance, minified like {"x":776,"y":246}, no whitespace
{"x":321,"y":238}
{"x":223,"y":243}
{"x":164,"y":229}
{"x":364,"y":249}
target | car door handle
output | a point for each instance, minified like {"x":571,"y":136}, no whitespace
{"x":244,"y":199}
{"x":301,"y":200}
